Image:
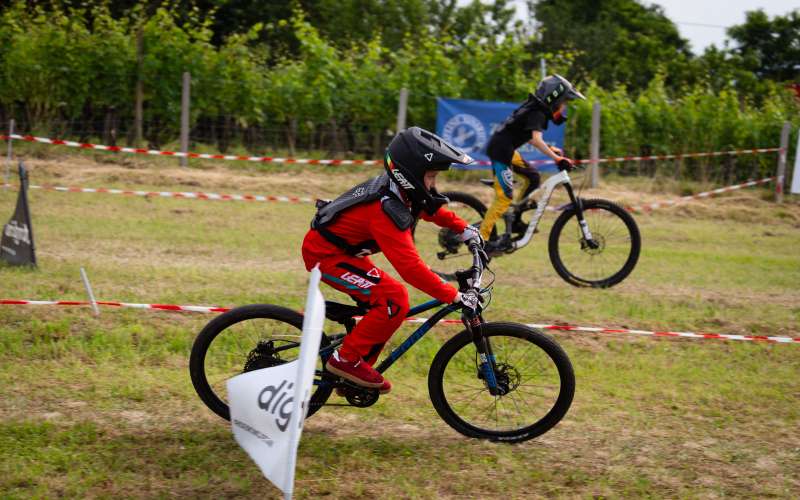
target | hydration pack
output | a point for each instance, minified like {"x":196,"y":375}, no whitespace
{"x":530,"y":104}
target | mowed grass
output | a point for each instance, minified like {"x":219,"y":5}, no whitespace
{"x":103,"y":406}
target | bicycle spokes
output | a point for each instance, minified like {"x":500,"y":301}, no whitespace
{"x":518,"y":385}
{"x":597,"y":246}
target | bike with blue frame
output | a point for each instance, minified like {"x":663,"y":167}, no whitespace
{"x":499,"y":381}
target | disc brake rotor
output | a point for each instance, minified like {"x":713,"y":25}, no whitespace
{"x":599,"y":245}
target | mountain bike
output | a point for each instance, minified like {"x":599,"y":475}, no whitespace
{"x":499,"y":381}
{"x":593,"y":242}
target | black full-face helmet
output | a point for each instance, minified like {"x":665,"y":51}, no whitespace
{"x":413,"y":152}
{"x":555,"y":90}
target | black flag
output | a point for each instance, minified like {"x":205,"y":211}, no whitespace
{"x":16,"y":244}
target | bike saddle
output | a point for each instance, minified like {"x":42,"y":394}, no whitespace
{"x":341,"y":313}
{"x":488,"y":182}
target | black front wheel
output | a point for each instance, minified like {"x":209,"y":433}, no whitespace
{"x":604,"y":260}
{"x":534,"y":374}
{"x":244,"y":339}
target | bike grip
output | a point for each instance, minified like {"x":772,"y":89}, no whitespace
{"x":475,"y":248}
{"x":565,"y":164}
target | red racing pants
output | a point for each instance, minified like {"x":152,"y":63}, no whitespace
{"x":387,"y":298}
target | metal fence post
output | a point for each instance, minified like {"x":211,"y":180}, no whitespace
{"x":543,"y":66}
{"x":787,"y":127}
{"x":595,"y":145}
{"x":185,"y":102}
{"x":10,"y":149}
{"x":402,"y":107}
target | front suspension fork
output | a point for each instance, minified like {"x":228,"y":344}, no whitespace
{"x":588,"y":240}
{"x":487,"y":364}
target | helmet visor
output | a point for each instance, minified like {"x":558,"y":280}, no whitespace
{"x":574,"y":94}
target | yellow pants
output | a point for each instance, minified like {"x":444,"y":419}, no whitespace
{"x":503,"y":193}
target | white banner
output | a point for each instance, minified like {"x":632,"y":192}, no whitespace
{"x":795,"y":189}
{"x":268,"y":406}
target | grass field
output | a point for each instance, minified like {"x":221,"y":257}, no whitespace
{"x":103,"y":406}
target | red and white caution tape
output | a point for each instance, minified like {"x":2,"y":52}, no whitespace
{"x":298,"y":199}
{"x":732,"y":152}
{"x":177,"y":154}
{"x":691,"y":335}
{"x":170,"y":194}
{"x":707,"y":194}
{"x":566,"y":328}
{"x":183,"y":195}
{"x":307,"y":161}
{"x":160,"y":307}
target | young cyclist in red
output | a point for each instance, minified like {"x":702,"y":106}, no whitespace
{"x":377,"y":216}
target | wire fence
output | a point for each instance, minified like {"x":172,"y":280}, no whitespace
{"x":224,"y":134}
{"x":349,"y":140}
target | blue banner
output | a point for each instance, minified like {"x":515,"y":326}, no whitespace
{"x":469,"y":124}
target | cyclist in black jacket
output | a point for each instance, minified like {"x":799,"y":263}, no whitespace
{"x":525,"y":124}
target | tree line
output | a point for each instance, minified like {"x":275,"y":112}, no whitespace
{"x":325,"y":75}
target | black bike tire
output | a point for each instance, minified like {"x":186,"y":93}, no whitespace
{"x":472,"y":202}
{"x":217,"y":326}
{"x":545,"y":343}
{"x":467,"y":199}
{"x":624,"y":271}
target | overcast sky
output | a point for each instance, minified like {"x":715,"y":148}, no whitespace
{"x":713,"y":15}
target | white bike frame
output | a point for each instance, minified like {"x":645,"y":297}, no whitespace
{"x":547,"y":188}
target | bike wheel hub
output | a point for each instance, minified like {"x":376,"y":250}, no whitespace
{"x":508,"y":377}
{"x":263,"y":356}
{"x":595,"y":246}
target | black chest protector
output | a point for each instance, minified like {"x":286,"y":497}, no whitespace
{"x":371,"y":190}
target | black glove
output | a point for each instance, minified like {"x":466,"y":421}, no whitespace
{"x":565,"y":163}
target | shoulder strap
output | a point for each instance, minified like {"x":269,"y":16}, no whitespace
{"x":398,"y":212}
{"x":365,"y":192}
{"x":370,"y":190}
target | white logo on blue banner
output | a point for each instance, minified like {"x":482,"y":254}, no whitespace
{"x":469,"y":125}
{"x":466,"y":132}
{"x":269,"y":406}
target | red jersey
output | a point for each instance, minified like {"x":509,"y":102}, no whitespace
{"x":368,"y":221}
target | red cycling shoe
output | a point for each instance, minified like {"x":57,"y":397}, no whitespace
{"x":357,"y":372}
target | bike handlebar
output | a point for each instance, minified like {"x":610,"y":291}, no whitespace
{"x":470,"y":279}
{"x":477,"y":264}
{"x":565,"y":164}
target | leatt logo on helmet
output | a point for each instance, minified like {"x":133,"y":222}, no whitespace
{"x":398,"y":176}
